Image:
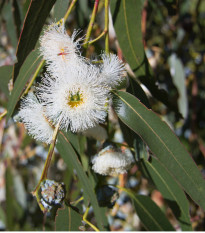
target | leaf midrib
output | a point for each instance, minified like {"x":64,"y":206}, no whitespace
{"x":157,"y":137}
{"x":128,"y":36}
{"x":175,"y":198}
{"x":145,"y":210}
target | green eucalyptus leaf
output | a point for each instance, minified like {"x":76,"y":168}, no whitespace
{"x":136,"y":90}
{"x":33,"y":23}
{"x":131,"y":137}
{"x":6,"y":74}
{"x":19,"y":189}
{"x":127,"y":22}
{"x":9,"y":200}
{"x":126,"y":17}
{"x":73,"y":138}
{"x":2,"y":215}
{"x":178,"y":76}
{"x":83,"y":12}
{"x":162,"y":142}
{"x":67,"y":219}
{"x":13,"y":210}
{"x":7,"y":14}
{"x":71,"y":159}
{"x":170,"y":190}
{"x":60,"y":9}
{"x":16,"y":16}
{"x":149,"y":213}
{"x":28,"y":68}
{"x":2,"y":5}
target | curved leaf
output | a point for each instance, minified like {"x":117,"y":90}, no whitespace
{"x":170,"y":190}
{"x":73,"y":138}
{"x":67,"y":220}
{"x":179,"y":79}
{"x":6,"y":73}
{"x":127,"y":19}
{"x":149,"y":213}
{"x":35,"y":18}
{"x":136,"y":90}
{"x":17,"y":17}
{"x":9,"y":199}
{"x":131,"y":137}
{"x":2,"y":215}
{"x":70,"y":157}
{"x":28,"y":68}
{"x":60,"y":9}
{"x":14,"y":212}
{"x":162,"y":142}
{"x":127,"y":22}
{"x":8,"y":16}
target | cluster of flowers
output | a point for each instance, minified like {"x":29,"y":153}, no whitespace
{"x":74,"y":91}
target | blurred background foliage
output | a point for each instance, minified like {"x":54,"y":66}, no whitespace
{"x":173,"y":37}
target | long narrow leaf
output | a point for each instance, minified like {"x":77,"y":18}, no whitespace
{"x":35,"y":18}
{"x":127,"y":22}
{"x":170,"y":190}
{"x":70,"y":157}
{"x":163,"y":143}
{"x":25,"y":73}
{"x":60,"y":9}
{"x":7,"y":14}
{"x":178,"y":76}
{"x":67,"y":220}
{"x":149,"y":213}
{"x":6,"y":73}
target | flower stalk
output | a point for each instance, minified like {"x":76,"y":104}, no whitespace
{"x":77,"y":201}
{"x":89,"y":223}
{"x":3,"y":114}
{"x":69,"y":9}
{"x":48,"y":160}
{"x":91,"y":23}
{"x":96,"y":39}
{"x":34,"y":77}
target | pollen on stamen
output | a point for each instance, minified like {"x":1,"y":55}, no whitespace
{"x":74,"y":100}
{"x":62,"y":53}
{"x":76,"y":93}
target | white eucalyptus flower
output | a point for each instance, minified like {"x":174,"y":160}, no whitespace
{"x":112,"y":161}
{"x":57,"y":47}
{"x":112,"y":70}
{"x":77,"y":95}
{"x":33,"y":116}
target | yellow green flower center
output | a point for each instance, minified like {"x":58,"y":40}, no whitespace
{"x":75,"y":99}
